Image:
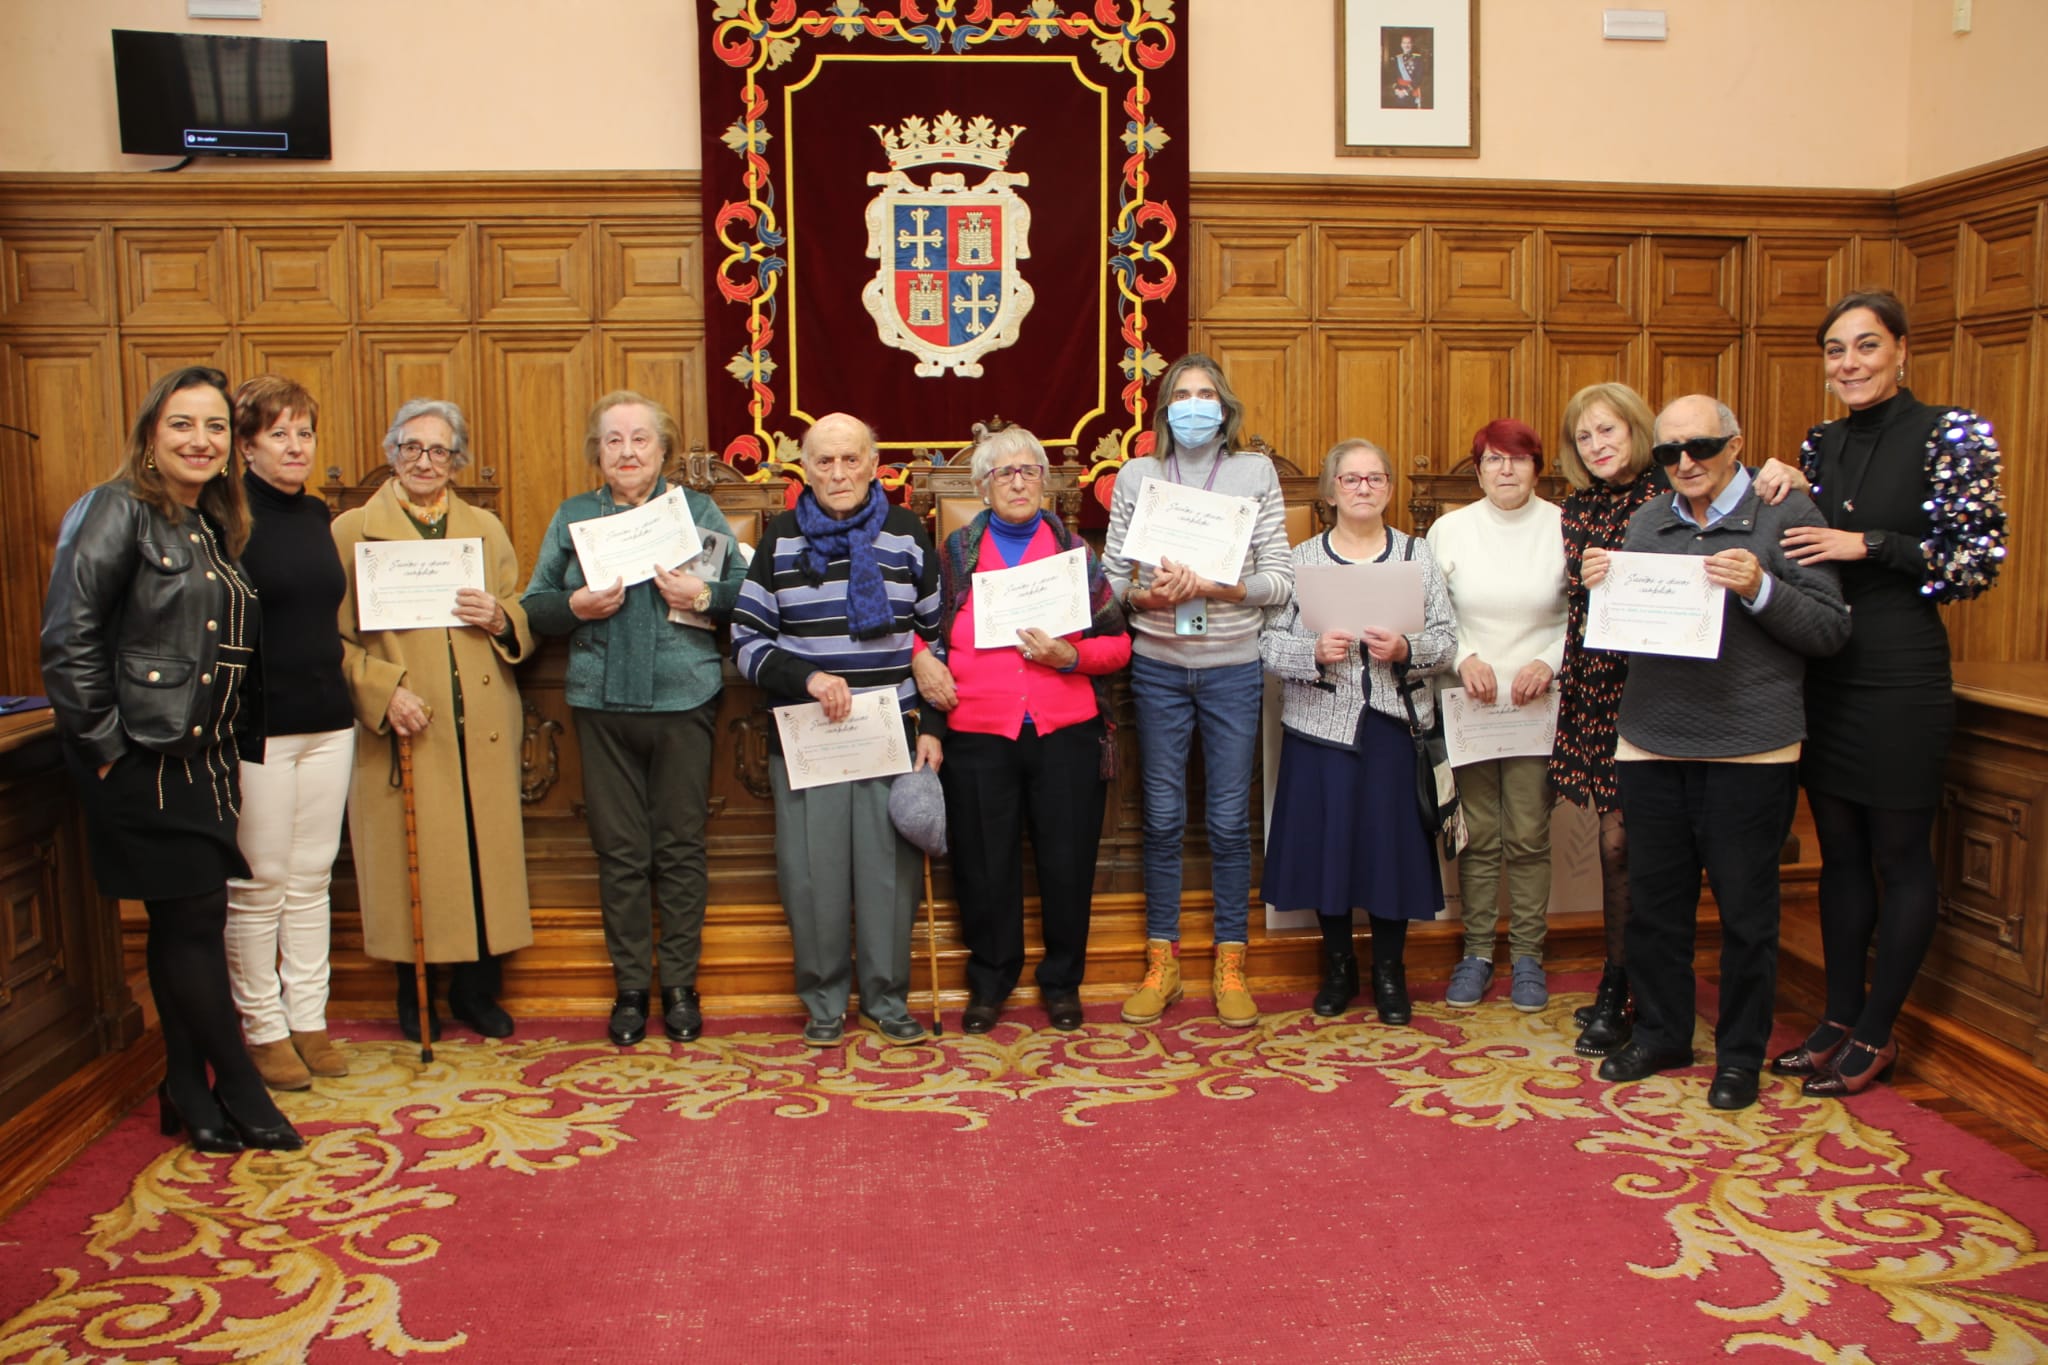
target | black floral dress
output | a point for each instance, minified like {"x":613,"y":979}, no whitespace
{"x":1589,"y":690}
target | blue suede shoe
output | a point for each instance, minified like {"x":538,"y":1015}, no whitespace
{"x":1531,"y":991}
{"x":1469,"y":980}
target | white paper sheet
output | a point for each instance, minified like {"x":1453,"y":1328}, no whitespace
{"x":1351,"y":597}
{"x":1656,"y":604}
{"x":1474,"y":731}
{"x":1208,"y":532}
{"x":411,"y":584}
{"x":1049,"y":593}
{"x":627,"y":545}
{"x":868,"y":743}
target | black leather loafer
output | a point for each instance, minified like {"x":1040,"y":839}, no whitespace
{"x":824,"y":1032}
{"x":903,"y":1030}
{"x":629,"y":1018}
{"x":1063,"y":1010}
{"x":1390,"y":993}
{"x":1637,"y":1059}
{"x":681,"y":1017}
{"x":980,"y":1016}
{"x":1734,"y":1087}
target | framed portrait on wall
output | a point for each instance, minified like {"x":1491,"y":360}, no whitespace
{"x":1408,"y":78}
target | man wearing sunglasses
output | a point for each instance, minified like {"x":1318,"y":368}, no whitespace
{"x":1709,"y":751}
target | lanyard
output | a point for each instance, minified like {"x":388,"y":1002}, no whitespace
{"x":1173,"y":469}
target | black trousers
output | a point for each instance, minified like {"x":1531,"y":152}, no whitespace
{"x":1730,"y":821}
{"x":995,"y":788}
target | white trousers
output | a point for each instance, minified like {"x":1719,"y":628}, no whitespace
{"x":278,"y":919}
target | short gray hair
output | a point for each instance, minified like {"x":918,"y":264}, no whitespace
{"x":993,"y":448}
{"x":1723,"y":414}
{"x":1326,"y":480}
{"x":448,"y":412}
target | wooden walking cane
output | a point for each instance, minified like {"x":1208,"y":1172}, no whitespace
{"x":931,"y":939}
{"x":412,"y":881}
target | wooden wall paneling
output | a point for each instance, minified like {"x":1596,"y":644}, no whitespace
{"x":173,"y":277}
{"x":1694,"y":362}
{"x":1799,"y":278}
{"x":1572,"y":360}
{"x":1478,"y":375}
{"x":1592,"y":280}
{"x":1369,"y":273}
{"x":1269,"y":367}
{"x":1998,"y":267}
{"x":537,"y":390}
{"x":1695,"y":282}
{"x":1876,"y":262}
{"x":293,"y":273}
{"x":1998,"y":366}
{"x":535,"y":272}
{"x":55,"y":276}
{"x":667,"y":366}
{"x":148,"y":356}
{"x":324,"y":362}
{"x":1481,"y":275}
{"x":1927,"y":274}
{"x":64,"y":387}
{"x":1784,"y":396}
{"x":399,"y":364}
{"x":1931,"y":360}
{"x":1247,"y":271}
{"x":649,"y":274}
{"x":413,"y":273}
{"x":1368,"y":386}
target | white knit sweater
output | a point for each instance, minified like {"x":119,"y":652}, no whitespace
{"x":1506,"y":574}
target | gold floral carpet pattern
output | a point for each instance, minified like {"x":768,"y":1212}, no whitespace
{"x":1797,"y":1230}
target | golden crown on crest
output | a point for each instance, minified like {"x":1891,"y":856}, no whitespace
{"x":978,"y":142}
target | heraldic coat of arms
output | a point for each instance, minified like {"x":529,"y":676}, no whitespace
{"x":948,"y":289}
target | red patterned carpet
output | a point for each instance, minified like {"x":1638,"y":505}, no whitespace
{"x":1456,"y":1191}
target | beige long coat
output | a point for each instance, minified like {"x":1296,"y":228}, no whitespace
{"x":375,"y":663}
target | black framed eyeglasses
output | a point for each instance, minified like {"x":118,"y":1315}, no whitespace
{"x":1700,"y":448}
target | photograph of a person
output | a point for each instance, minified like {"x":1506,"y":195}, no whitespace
{"x":1405,"y":62}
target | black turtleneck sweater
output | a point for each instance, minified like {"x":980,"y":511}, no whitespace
{"x":292,"y":561}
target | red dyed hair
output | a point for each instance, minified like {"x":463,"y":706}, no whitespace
{"x":1509,"y":437}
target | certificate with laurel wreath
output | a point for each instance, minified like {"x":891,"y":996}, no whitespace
{"x":411,"y":584}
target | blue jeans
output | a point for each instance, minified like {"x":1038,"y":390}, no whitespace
{"x":1223,"y":704}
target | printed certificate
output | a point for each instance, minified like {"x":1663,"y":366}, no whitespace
{"x":1050,"y":593}
{"x":868,"y":743}
{"x":1656,"y":604}
{"x":1474,"y":731}
{"x":627,"y":545}
{"x":1351,"y":597}
{"x":411,"y":584}
{"x":1208,"y":532}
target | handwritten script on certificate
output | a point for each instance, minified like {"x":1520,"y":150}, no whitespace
{"x":411,"y":584}
{"x":868,"y":743}
{"x":1656,"y":604}
{"x":627,"y":545}
{"x":1049,"y":593}
{"x":1475,"y":731}
{"x":1208,"y":532}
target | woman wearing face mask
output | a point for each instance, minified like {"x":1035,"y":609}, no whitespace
{"x":1916,"y":517}
{"x":1503,"y":558}
{"x":1195,"y":671}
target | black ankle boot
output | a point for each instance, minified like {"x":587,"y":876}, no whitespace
{"x":272,"y":1133}
{"x":629,"y":1018}
{"x":1340,"y":981}
{"x":1607,"y":1024}
{"x":1390,"y":993}
{"x":409,"y":1004}
{"x":681,"y":1018}
{"x":472,"y":998}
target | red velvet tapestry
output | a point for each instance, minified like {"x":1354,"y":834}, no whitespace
{"x":939,"y":213}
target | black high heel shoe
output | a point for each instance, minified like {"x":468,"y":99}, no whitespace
{"x":281,"y":1137}
{"x":169,"y":1122}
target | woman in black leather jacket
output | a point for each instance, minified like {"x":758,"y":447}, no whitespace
{"x":149,"y":646}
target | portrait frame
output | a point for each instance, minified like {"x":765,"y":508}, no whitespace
{"x":1408,"y":78}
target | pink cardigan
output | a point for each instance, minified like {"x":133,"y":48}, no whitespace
{"x":998,"y":686}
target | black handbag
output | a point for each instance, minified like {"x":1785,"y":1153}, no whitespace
{"x":1436,"y":783}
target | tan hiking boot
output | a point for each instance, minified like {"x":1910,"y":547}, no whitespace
{"x":1161,"y":986}
{"x":319,"y":1053}
{"x":279,"y":1065}
{"x":1234,"y":1004}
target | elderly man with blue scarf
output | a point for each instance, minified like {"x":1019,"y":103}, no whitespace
{"x":842,"y":587}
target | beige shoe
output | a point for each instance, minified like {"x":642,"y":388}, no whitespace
{"x":279,"y":1065}
{"x":1161,"y":986}
{"x":1234,"y":1004}
{"x":319,"y":1053}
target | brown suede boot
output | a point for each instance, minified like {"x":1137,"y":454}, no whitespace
{"x":319,"y":1053}
{"x":1161,"y":986}
{"x":279,"y":1065}
{"x":1235,"y":1007}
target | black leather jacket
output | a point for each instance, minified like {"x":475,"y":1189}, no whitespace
{"x":133,"y":633}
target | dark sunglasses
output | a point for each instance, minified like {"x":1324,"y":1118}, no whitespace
{"x":1701,"y":448}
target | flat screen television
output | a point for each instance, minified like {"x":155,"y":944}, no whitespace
{"x":204,"y":94}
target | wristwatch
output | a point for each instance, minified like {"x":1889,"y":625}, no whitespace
{"x":703,"y":600}
{"x":1873,"y":544}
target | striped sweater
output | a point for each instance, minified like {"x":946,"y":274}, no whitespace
{"x":787,"y":625}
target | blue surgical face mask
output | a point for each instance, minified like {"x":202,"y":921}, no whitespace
{"x":1194,"y":421}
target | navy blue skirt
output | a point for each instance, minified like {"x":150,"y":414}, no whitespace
{"x":1346,"y":830}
